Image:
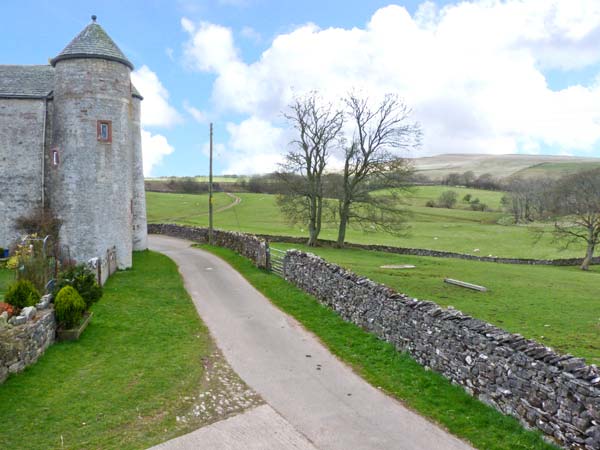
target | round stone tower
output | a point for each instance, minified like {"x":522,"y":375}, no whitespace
{"x":95,"y":174}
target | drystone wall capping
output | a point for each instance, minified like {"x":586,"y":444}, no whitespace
{"x":22,"y":345}
{"x":247,"y":245}
{"x":557,"y":394}
{"x":435,"y":253}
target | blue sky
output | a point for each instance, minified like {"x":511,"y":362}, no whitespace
{"x":481,"y":77}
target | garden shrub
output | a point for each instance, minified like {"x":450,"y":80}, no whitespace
{"x":83,"y":280}
{"x":68,"y":307}
{"x":21,"y":294}
{"x":447,"y":199}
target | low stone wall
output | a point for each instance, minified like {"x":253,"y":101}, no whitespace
{"x":557,"y":394}
{"x":22,"y":345}
{"x":252,"y":247}
{"x":435,"y":253}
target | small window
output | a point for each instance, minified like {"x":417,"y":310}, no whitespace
{"x":104,"y":131}
{"x":55,"y":158}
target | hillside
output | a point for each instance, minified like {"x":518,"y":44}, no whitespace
{"x":502,"y":166}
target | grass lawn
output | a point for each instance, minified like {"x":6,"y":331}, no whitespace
{"x":456,"y":230}
{"x":6,"y":277}
{"x":123,"y":383}
{"x":396,"y":373}
{"x":556,"y":306}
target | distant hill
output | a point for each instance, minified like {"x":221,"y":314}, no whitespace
{"x":503,"y":166}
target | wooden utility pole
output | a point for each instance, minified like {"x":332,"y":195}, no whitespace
{"x":210,"y":190}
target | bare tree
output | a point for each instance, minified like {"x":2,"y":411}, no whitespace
{"x":577,"y":199}
{"x":318,"y":126}
{"x":528,"y":198}
{"x":372,"y":163}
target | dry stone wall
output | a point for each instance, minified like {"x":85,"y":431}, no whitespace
{"x":22,"y":345}
{"x":436,"y":253}
{"x":247,"y":245}
{"x":557,"y":394}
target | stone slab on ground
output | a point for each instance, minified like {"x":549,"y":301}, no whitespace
{"x":257,"y":429}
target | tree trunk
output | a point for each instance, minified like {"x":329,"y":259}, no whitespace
{"x":318,"y":217}
{"x":344,"y":212}
{"x":312,"y":223}
{"x":585,"y":265}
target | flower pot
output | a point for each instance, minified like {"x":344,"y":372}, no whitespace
{"x":74,"y":333}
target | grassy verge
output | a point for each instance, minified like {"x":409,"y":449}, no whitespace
{"x":123,"y":383}
{"x":396,"y":373}
{"x":556,"y":306}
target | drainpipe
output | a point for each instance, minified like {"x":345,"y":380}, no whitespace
{"x":44,"y":152}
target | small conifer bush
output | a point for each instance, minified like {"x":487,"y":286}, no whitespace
{"x":69,"y":307}
{"x":21,"y":294}
{"x":84,"y":282}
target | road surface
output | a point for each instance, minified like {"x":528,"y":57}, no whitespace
{"x":314,"y":401}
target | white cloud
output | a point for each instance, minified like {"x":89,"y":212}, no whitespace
{"x":210,"y":48}
{"x":473,"y":73}
{"x":254,"y":146}
{"x":197,"y":115}
{"x":154,"y":148}
{"x":156,"y":110}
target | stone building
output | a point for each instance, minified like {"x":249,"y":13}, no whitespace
{"x":70,"y":141}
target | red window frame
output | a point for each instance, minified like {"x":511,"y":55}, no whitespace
{"x":108,"y":123}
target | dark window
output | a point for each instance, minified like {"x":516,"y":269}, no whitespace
{"x":104,"y":131}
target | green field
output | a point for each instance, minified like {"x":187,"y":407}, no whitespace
{"x":124,"y":382}
{"x":458,"y":230}
{"x":556,"y":306}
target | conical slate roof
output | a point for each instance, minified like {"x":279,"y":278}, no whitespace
{"x":93,"y":42}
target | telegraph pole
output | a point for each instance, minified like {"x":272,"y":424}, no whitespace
{"x":210,"y":190}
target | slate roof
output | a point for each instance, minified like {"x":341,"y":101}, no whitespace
{"x":26,"y":81}
{"x":38,"y":81}
{"x":93,"y":42}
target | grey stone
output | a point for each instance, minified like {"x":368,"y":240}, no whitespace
{"x":44,"y":302}
{"x":28,"y":312}
{"x":17,"y":320}
{"x":22,"y":345}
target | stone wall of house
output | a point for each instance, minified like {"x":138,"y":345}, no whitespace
{"x":21,"y":345}
{"x":247,"y":245}
{"x":91,"y":189}
{"x":557,"y":394}
{"x":21,"y":153}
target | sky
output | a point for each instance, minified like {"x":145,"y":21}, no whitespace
{"x":481,"y":76}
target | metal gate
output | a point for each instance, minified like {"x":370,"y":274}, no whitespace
{"x":276,"y":257}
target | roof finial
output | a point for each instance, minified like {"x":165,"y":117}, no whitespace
{"x":94,"y":18}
